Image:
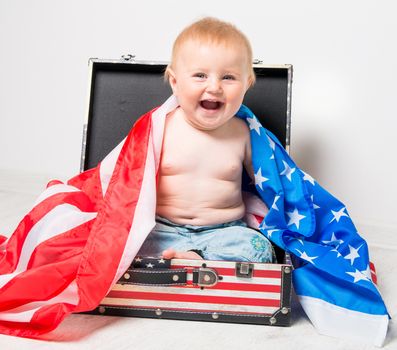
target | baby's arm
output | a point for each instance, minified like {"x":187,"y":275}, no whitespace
{"x":253,"y":204}
{"x":248,"y":157}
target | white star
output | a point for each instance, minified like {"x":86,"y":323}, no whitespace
{"x":254,"y":124}
{"x":138,"y":259}
{"x":161,"y":261}
{"x":304,"y":256}
{"x":338,"y":255}
{"x":271,"y":143}
{"x":358,"y":276}
{"x":259,"y":179}
{"x":264,"y":226}
{"x":287,"y":171}
{"x":272,"y":156}
{"x":315,"y":206}
{"x":353,"y":255}
{"x":338,"y":214}
{"x":367,"y":273}
{"x":274,"y":206}
{"x":269,"y":232}
{"x":333,"y":239}
{"x":307,"y":177}
{"x":294,"y":217}
{"x":149,"y":265}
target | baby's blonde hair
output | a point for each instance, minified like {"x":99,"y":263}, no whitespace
{"x":213,"y":31}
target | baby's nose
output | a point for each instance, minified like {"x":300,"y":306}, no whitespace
{"x":214,"y":85}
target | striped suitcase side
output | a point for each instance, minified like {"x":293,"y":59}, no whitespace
{"x":263,"y":298}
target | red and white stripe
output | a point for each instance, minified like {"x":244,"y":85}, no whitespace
{"x":79,"y":237}
{"x":373,"y":272}
{"x":260,"y":294}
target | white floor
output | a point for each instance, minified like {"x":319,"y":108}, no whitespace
{"x":17,"y":193}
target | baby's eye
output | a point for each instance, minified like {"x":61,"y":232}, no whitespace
{"x":229,"y":77}
{"x":199,"y":75}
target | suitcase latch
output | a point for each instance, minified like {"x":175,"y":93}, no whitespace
{"x":244,"y":269}
{"x":206,"y":277}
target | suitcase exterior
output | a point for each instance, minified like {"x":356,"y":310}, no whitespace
{"x":221,"y":291}
{"x":120,"y":91}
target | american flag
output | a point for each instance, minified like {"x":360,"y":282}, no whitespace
{"x":333,"y":277}
{"x":80,"y":237}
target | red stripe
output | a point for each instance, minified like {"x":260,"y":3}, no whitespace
{"x":245,"y":287}
{"x":61,"y":247}
{"x":43,"y":321}
{"x":10,"y":256}
{"x":232,"y":271}
{"x":193,"y":298}
{"x":373,"y":272}
{"x":267,"y":288}
{"x":41,"y":283}
{"x":2,"y":239}
{"x":54,"y":182}
{"x":90,"y":183}
{"x":249,"y":287}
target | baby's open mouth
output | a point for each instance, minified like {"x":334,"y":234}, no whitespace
{"x":207,"y":104}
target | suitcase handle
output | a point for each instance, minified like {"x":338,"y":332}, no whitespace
{"x":155,"y":271}
{"x":201,"y":277}
{"x":155,"y":277}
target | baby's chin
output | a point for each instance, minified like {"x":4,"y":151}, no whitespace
{"x":207,"y":123}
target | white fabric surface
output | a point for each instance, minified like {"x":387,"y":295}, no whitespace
{"x":18,"y":192}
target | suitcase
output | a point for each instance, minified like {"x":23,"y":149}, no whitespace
{"x":202,"y":290}
{"x":120,"y":91}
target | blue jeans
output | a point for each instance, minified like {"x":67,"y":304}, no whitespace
{"x":232,"y":241}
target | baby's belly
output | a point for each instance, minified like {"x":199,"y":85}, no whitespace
{"x":200,"y":201}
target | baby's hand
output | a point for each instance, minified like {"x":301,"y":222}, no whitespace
{"x":172,"y":253}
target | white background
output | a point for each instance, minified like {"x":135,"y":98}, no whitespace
{"x":344,"y":89}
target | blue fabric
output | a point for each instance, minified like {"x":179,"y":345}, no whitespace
{"x":232,"y":241}
{"x":331,"y":259}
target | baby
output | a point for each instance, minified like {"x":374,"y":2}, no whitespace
{"x":199,"y":199}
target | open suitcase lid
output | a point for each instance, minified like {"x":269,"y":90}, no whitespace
{"x":120,"y":91}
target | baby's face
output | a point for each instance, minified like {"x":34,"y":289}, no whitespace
{"x":210,"y":82}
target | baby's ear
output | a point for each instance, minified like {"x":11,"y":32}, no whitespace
{"x":251,"y":81}
{"x":171,"y":79}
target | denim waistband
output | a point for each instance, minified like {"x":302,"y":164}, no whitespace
{"x":198,"y":227}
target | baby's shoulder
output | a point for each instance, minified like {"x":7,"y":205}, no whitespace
{"x":239,"y":126}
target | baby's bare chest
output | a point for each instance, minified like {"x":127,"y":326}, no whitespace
{"x":202,"y":155}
